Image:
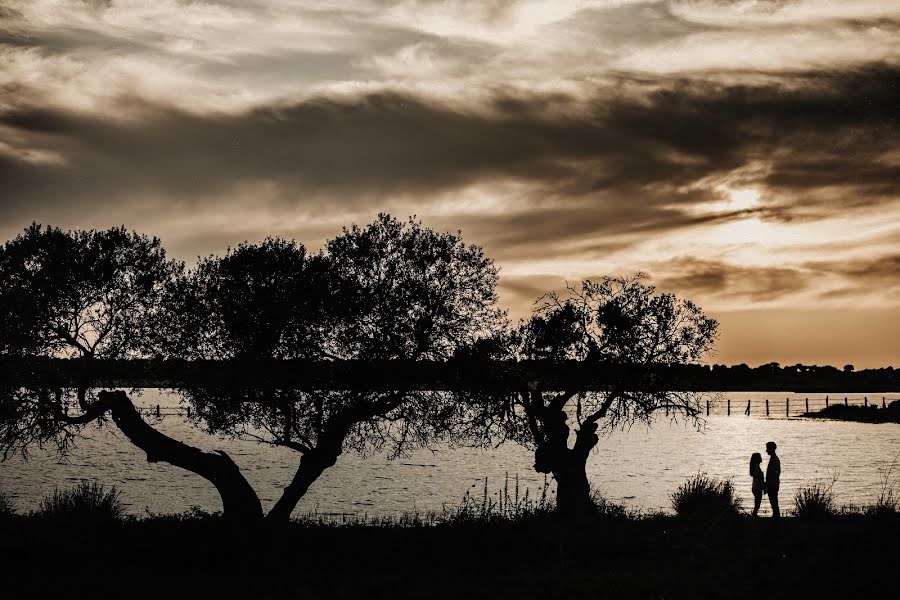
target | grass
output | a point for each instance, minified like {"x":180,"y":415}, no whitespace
{"x":6,"y":508}
{"x":888,"y":503}
{"x":87,"y":501}
{"x":703,"y":496}
{"x":655,"y":557}
{"x":816,"y":501}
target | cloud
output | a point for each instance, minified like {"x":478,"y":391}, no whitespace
{"x":579,"y":159}
{"x":744,"y":153}
{"x":694,"y":277}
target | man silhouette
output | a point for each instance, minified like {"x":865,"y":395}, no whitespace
{"x":773,"y":478}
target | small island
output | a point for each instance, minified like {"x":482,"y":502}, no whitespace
{"x":861,"y":414}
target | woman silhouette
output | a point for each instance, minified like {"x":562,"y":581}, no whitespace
{"x":759,"y":482}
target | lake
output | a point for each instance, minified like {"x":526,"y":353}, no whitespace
{"x":639,"y":467}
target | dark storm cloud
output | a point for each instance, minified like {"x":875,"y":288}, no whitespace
{"x":648,"y":147}
{"x":691,"y":276}
{"x":881,"y":271}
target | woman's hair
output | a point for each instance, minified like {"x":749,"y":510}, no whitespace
{"x":755,"y":458}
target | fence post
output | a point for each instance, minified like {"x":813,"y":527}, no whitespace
{"x":787,"y":407}
{"x":845,"y":400}
{"x":807,"y":405}
{"x":729,"y":407}
{"x":707,"y":408}
{"x":866,"y":401}
{"x":826,"y":401}
{"x":747,"y":412}
{"x":157,"y":410}
{"x":767,"y":407}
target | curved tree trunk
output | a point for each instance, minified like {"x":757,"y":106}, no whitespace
{"x":239,"y":500}
{"x":312,"y":465}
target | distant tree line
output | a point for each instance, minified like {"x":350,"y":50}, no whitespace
{"x":798,"y":377}
{"x":389,"y":291}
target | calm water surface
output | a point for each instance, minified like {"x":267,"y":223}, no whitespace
{"x":639,"y":467}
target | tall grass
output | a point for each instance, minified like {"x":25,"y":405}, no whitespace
{"x":816,"y":501}
{"x":6,"y":508}
{"x":86,"y":501}
{"x":888,"y":503}
{"x":702,"y":496}
{"x":502,"y":505}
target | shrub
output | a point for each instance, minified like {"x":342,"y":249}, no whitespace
{"x":815,"y":502}
{"x":888,"y":503}
{"x":606,"y":508}
{"x":705,"y":496}
{"x":6,"y":508}
{"x":86,"y":501}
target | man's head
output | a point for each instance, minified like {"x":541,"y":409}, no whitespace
{"x":770,"y":448}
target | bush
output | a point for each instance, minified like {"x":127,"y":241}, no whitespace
{"x":607,"y":508}
{"x":6,"y":508}
{"x":86,"y":501}
{"x":888,"y":503}
{"x":886,"y":506}
{"x":704,"y":496}
{"x":815,"y":502}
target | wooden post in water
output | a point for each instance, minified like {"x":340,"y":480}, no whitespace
{"x":747,"y":412}
{"x":845,"y":400}
{"x":826,"y":401}
{"x":787,"y":407}
{"x":866,"y":401}
{"x":807,"y":405}
{"x":729,"y":407}
{"x":767,"y":407}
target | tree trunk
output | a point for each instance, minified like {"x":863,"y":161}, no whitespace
{"x":239,"y":500}
{"x":573,"y":492}
{"x":312,"y":465}
{"x":568,"y":465}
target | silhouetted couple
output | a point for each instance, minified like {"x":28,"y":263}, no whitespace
{"x":768,"y":485}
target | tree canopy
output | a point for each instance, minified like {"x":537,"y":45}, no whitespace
{"x":388,"y":291}
{"x":614,"y":321}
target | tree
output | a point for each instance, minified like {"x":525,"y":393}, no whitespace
{"x":390,"y":290}
{"x":618,"y":324}
{"x":94,"y":295}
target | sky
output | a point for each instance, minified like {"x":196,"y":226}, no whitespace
{"x":744,"y":154}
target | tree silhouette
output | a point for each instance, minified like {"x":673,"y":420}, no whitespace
{"x":390,"y":290}
{"x":616,"y":322}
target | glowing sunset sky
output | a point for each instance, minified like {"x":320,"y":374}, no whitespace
{"x":744,"y":154}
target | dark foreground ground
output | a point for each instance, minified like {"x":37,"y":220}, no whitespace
{"x":662,"y":557}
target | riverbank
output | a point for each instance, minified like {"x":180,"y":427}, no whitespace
{"x":651,"y":557}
